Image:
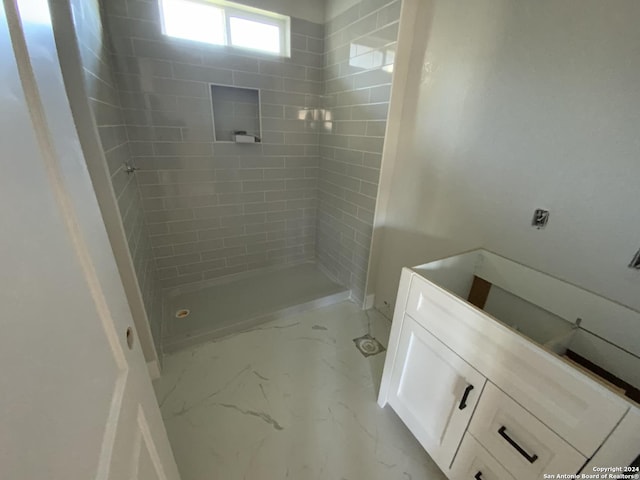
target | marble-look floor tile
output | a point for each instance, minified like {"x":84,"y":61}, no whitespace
{"x":292,"y":398}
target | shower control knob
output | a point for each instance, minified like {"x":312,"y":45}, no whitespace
{"x":130,"y":338}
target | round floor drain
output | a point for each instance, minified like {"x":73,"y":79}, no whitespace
{"x":368,"y":345}
{"x":182,"y":313}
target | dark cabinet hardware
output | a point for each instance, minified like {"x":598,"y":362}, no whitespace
{"x":503,"y":433}
{"x":463,"y":402}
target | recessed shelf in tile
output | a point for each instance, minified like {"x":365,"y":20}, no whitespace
{"x":235,"y":110}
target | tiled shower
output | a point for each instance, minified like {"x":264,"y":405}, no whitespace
{"x":197,"y":210}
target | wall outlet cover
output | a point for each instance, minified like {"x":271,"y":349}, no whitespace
{"x":540,"y":218}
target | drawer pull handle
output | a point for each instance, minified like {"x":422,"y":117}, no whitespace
{"x":463,"y":402}
{"x":521,"y":451}
{"x":478,"y":476}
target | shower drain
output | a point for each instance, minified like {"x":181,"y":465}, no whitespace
{"x":183,"y":313}
{"x":368,"y":345}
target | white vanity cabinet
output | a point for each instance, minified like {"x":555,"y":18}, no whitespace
{"x":527,"y":410}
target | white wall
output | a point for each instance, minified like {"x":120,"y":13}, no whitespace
{"x":311,"y":10}
{"x":513,"y":106}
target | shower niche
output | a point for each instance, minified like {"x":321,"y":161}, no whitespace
{"x":236,"y":114}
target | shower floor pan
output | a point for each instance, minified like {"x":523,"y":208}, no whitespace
{"x":243,"y":302}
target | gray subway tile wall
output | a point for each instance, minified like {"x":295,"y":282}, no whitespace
{"x":213,"y":208}
{"x":105,"y":104}
{"x":358,"y":63}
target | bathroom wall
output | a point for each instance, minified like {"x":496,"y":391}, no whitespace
{"x":332,"y":8}
{"x":95,"y":53}
{"x":310,"y":10}
{"x":216,"y":209}
{"x":510,"y":106}
{"x":360,"y":49}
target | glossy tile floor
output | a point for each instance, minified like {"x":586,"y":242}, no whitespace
{"x":292,"y":398}
{"x":232,"y":306}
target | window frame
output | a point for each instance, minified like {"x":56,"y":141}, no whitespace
{"x":233,"y":9}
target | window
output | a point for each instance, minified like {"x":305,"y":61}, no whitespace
{"x":225,"y":23}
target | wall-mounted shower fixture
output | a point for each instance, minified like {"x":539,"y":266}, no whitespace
{"x":540,"y":218}
{"x":635,"y":262}
{"x":130,"y":168}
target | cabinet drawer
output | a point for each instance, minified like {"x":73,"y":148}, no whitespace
{"x":579,"y":409}
{"x":525,"y":446}
{"x":473,"y":462}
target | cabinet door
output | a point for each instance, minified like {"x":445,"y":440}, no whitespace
{"x":622,"y":448}
{"x":433,"y":390}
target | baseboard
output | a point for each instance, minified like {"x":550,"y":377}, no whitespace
{"x":154,"y":369}
{"x":369,"y":301}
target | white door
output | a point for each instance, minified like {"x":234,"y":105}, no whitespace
{"x":433,"y":390}
{"x":76,"y":401}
